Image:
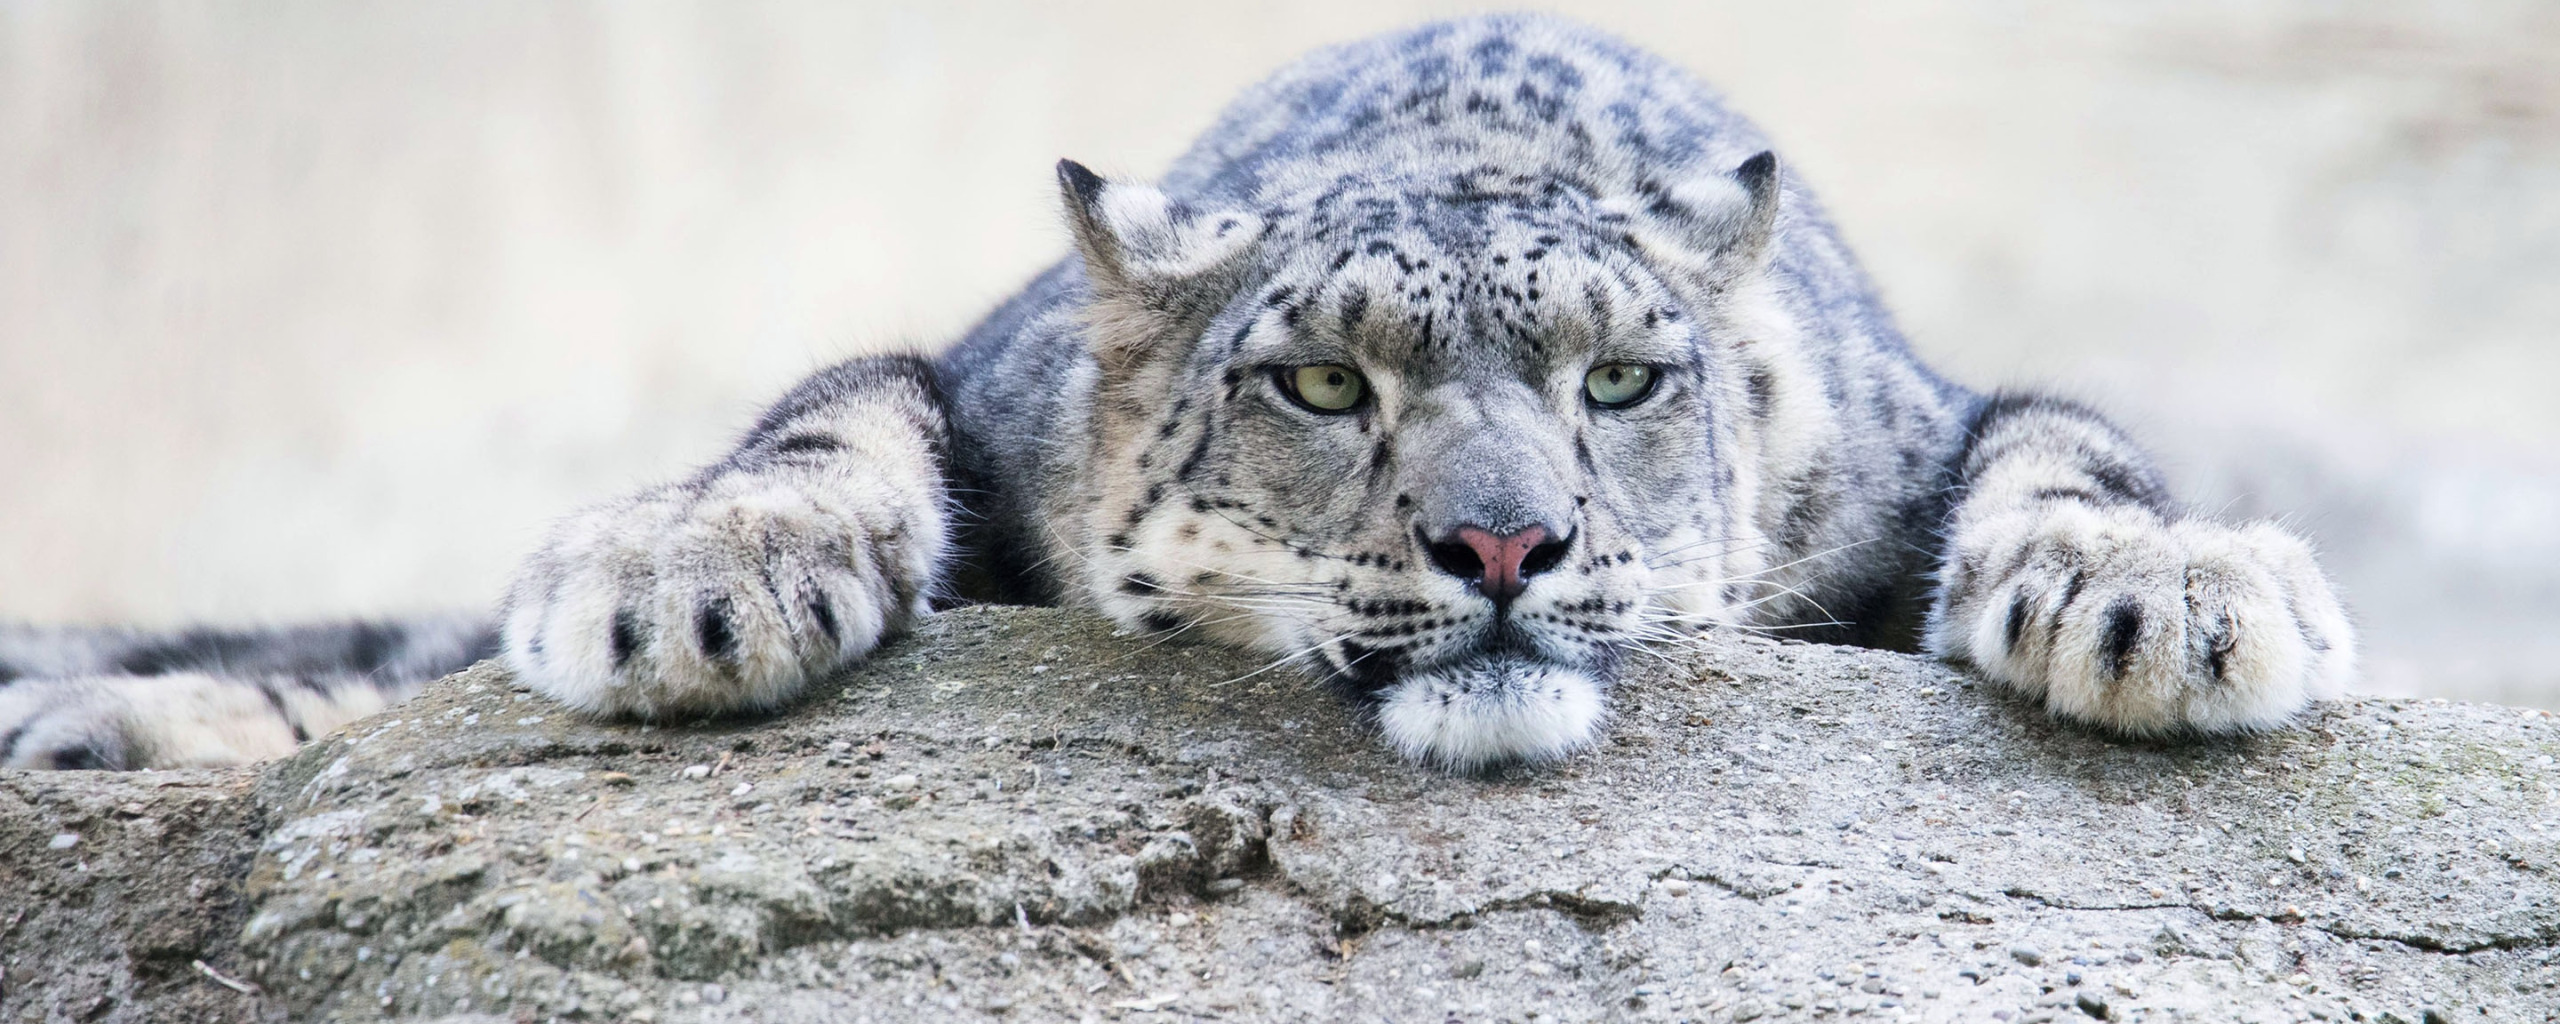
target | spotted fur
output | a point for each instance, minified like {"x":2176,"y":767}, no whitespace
{"x":115,"y":698}
{"x":1469,"y":217}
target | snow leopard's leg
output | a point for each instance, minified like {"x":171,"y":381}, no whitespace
{"x":822,"y":533}
{"x":2069,"y":576}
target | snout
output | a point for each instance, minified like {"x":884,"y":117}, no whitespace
{"x":1498,"y":565}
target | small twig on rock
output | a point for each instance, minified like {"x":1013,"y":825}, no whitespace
{"x":227,"y":981}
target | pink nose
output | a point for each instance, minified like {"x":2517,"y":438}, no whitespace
{"x":1498,"y":559}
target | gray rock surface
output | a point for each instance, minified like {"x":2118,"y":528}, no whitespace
{"x":1016,"y":815}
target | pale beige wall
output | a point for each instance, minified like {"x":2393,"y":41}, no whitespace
{"x":325,"y":307}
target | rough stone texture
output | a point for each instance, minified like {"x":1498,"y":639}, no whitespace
{"x":1016,"y":815}
{"x":112,"y":885}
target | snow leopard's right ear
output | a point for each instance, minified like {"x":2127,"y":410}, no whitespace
{"x":1160,"y":262}
{"x":1711,"y":229}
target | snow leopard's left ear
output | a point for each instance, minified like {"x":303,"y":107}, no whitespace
{"x":1714,"y":228}
{"x":1161,"y":262}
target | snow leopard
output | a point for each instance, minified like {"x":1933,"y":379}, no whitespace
{"x":1456,"y":367}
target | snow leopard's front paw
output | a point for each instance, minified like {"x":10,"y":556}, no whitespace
{"x":2122,"y":619}
{"x":732,"y":595}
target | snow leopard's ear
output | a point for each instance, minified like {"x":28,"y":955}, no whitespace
{"x":1159,"y":266}
{"x":1714,"y":228}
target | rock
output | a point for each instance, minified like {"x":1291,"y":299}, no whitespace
{"x":1154,"y":831}
{"x":107,"y":927}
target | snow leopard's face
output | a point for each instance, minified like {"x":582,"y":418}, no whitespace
{"x":1458,"y":454}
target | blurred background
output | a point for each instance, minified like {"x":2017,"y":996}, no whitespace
{"x":318,"y":308}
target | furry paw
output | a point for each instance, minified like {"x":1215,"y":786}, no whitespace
{"x":2119,"y":618}
{"x":730,"y":594}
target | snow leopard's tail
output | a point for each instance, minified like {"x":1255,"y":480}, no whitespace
{"x":123,"y":698}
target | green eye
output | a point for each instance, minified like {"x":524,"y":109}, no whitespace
{"x":1327,"y":388}
{"x":1618,"y":384}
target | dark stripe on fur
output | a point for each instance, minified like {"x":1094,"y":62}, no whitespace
{"x":276,"y":700}
{"x":365,"y":648}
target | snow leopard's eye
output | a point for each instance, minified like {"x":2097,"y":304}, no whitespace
{"x":1618,"y":385}
{"x":1327,"y":389}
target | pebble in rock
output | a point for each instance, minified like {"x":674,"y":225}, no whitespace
{"x":2027,"y":955}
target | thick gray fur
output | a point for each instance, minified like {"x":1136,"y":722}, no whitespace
{"x":1472,"y":216}
{"x":123,"y":698}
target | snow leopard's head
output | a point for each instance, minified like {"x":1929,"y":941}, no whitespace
{"x":1459,"y":444}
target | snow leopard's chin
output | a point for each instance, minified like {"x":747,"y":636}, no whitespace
{"x":1490,"y":711}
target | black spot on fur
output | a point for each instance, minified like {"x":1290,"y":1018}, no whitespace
{"x":2017,"y":621}
{"x":1161,"y":622}
{"x":626,"y":636}
{"x":1141,"y":583}
{"x":89,"y":758}
{"x":824,"y":612}
{"x":2124,"y":627}
{"x":719,"y":641}
{"x":1764,"y":392}
{"x":2219,"y":644}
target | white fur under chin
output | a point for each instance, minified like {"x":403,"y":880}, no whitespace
{"x":1472,"y":716}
